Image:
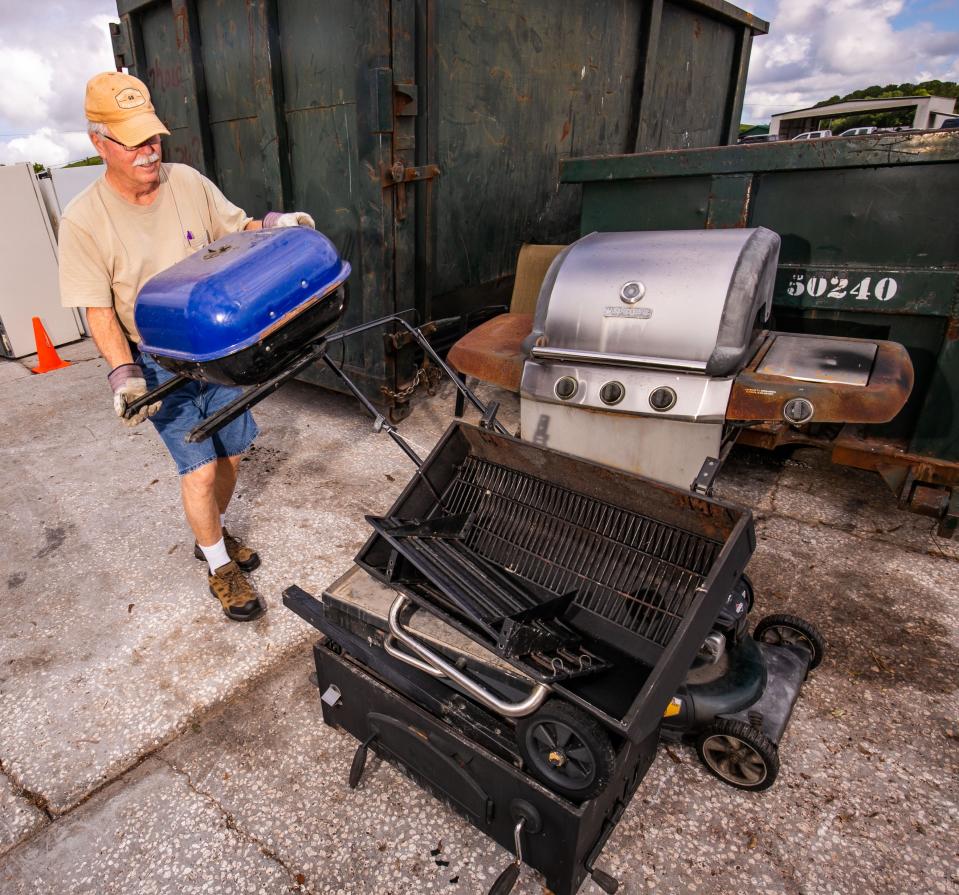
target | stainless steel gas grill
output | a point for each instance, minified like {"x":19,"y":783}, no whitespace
{"x":649,"y":350}
{"x":635,"y":343}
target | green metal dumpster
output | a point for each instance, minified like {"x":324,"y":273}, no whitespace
{"x":424,"y":136}
{"x":870,"y":247}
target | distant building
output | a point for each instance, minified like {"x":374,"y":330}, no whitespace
{"x":930,"y":111}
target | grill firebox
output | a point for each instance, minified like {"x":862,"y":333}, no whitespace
{"x":598,"y":583}
{"x":632,"y":570}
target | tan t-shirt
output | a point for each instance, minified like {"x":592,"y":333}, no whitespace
{"x":110,"y":247}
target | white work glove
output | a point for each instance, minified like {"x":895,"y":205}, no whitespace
{"x":288,"y":219}
{"x":128,"y":384}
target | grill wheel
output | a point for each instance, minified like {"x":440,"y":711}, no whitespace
{"x":567,"y":749}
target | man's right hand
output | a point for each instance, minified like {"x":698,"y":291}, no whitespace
{"x":128,"y":385}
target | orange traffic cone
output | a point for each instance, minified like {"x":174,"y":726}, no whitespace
{"x":47,"y":357}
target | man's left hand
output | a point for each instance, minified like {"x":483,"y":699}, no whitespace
{"x":290,"y":219}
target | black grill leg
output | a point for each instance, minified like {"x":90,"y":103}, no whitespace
{"x":359,"y":761}
{"x":460,"y":406}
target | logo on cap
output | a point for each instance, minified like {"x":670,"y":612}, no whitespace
{"x":130,"y":98}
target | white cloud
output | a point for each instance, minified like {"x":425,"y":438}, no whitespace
{"x":47,"y":146}
{"x":48,"y":51}
{"x":27,"y":87}
{"x":820,"y":48}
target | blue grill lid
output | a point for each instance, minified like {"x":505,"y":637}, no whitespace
{"x":225,"y":296}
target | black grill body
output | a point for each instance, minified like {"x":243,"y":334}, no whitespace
{"x":450,"y":762}
{"x":599,"y":583}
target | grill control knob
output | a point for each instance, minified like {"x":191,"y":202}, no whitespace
{"x":798,"y":411}
{"x":612,"y":393}
{"x":662,"y":398}
{"x":566,"y":387}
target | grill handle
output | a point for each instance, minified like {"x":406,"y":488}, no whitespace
{"x":439,"y":667}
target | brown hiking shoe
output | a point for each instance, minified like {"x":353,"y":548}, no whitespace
{"x":236,"y":595}
{"x":243,"y":556}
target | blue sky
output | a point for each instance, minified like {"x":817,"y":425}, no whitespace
{"x":945,"y":13}
{"x":814,"y":49}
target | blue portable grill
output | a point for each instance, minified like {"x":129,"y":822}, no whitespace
{"x":251,"y":309}
{"x":254,"y":309}
{"x":244,"y":308}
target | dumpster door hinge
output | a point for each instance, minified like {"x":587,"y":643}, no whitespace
{"x":405,"y":99}
{"x":120,"y":38}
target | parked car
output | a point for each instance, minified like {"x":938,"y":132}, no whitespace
{"x":813,"y":135}
{"x":858,"y":131}
{"x":949,"y":123}
{"x":759,"y":138}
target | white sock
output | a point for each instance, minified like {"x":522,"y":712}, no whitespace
{"x":216,"y":554}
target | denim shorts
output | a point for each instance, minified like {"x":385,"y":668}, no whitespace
{"x":189,"y":406}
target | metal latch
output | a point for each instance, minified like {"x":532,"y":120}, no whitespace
{"x":397,"y":340}
{"x":399,"y":175}
{"x":331,"y":696}
{"x":703,"y":483}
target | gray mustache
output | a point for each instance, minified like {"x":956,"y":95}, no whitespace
{"x":146,"y":160}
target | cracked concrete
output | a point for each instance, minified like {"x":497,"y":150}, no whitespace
{"x":19,"y":816}
{"x":179,"y":753}
{"x":231,"y":823}
{"x":148,"y":833}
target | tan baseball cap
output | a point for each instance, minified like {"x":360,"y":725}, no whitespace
{"x":122,"y":102}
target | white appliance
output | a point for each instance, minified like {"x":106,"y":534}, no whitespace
{"x":28,"y":258}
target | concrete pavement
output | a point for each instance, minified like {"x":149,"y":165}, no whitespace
{"x":149,"y":745}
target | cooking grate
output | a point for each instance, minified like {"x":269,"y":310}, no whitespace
{"x":638,"y":573}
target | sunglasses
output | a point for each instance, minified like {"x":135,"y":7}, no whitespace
{"x":150,"y":142}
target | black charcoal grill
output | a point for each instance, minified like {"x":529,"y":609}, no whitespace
{"x":598,"y":585}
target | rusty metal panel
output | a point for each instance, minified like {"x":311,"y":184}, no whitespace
{"x":760,"y":394}
{"x":519,"y":87}
{"x":690,"y":94}
{"x":335,"y":59}
{"x":425,"y":136}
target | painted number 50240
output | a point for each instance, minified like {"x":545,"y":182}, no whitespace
{"x":883,"y":289}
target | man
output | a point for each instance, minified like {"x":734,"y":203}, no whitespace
{"x":139,"y":218}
